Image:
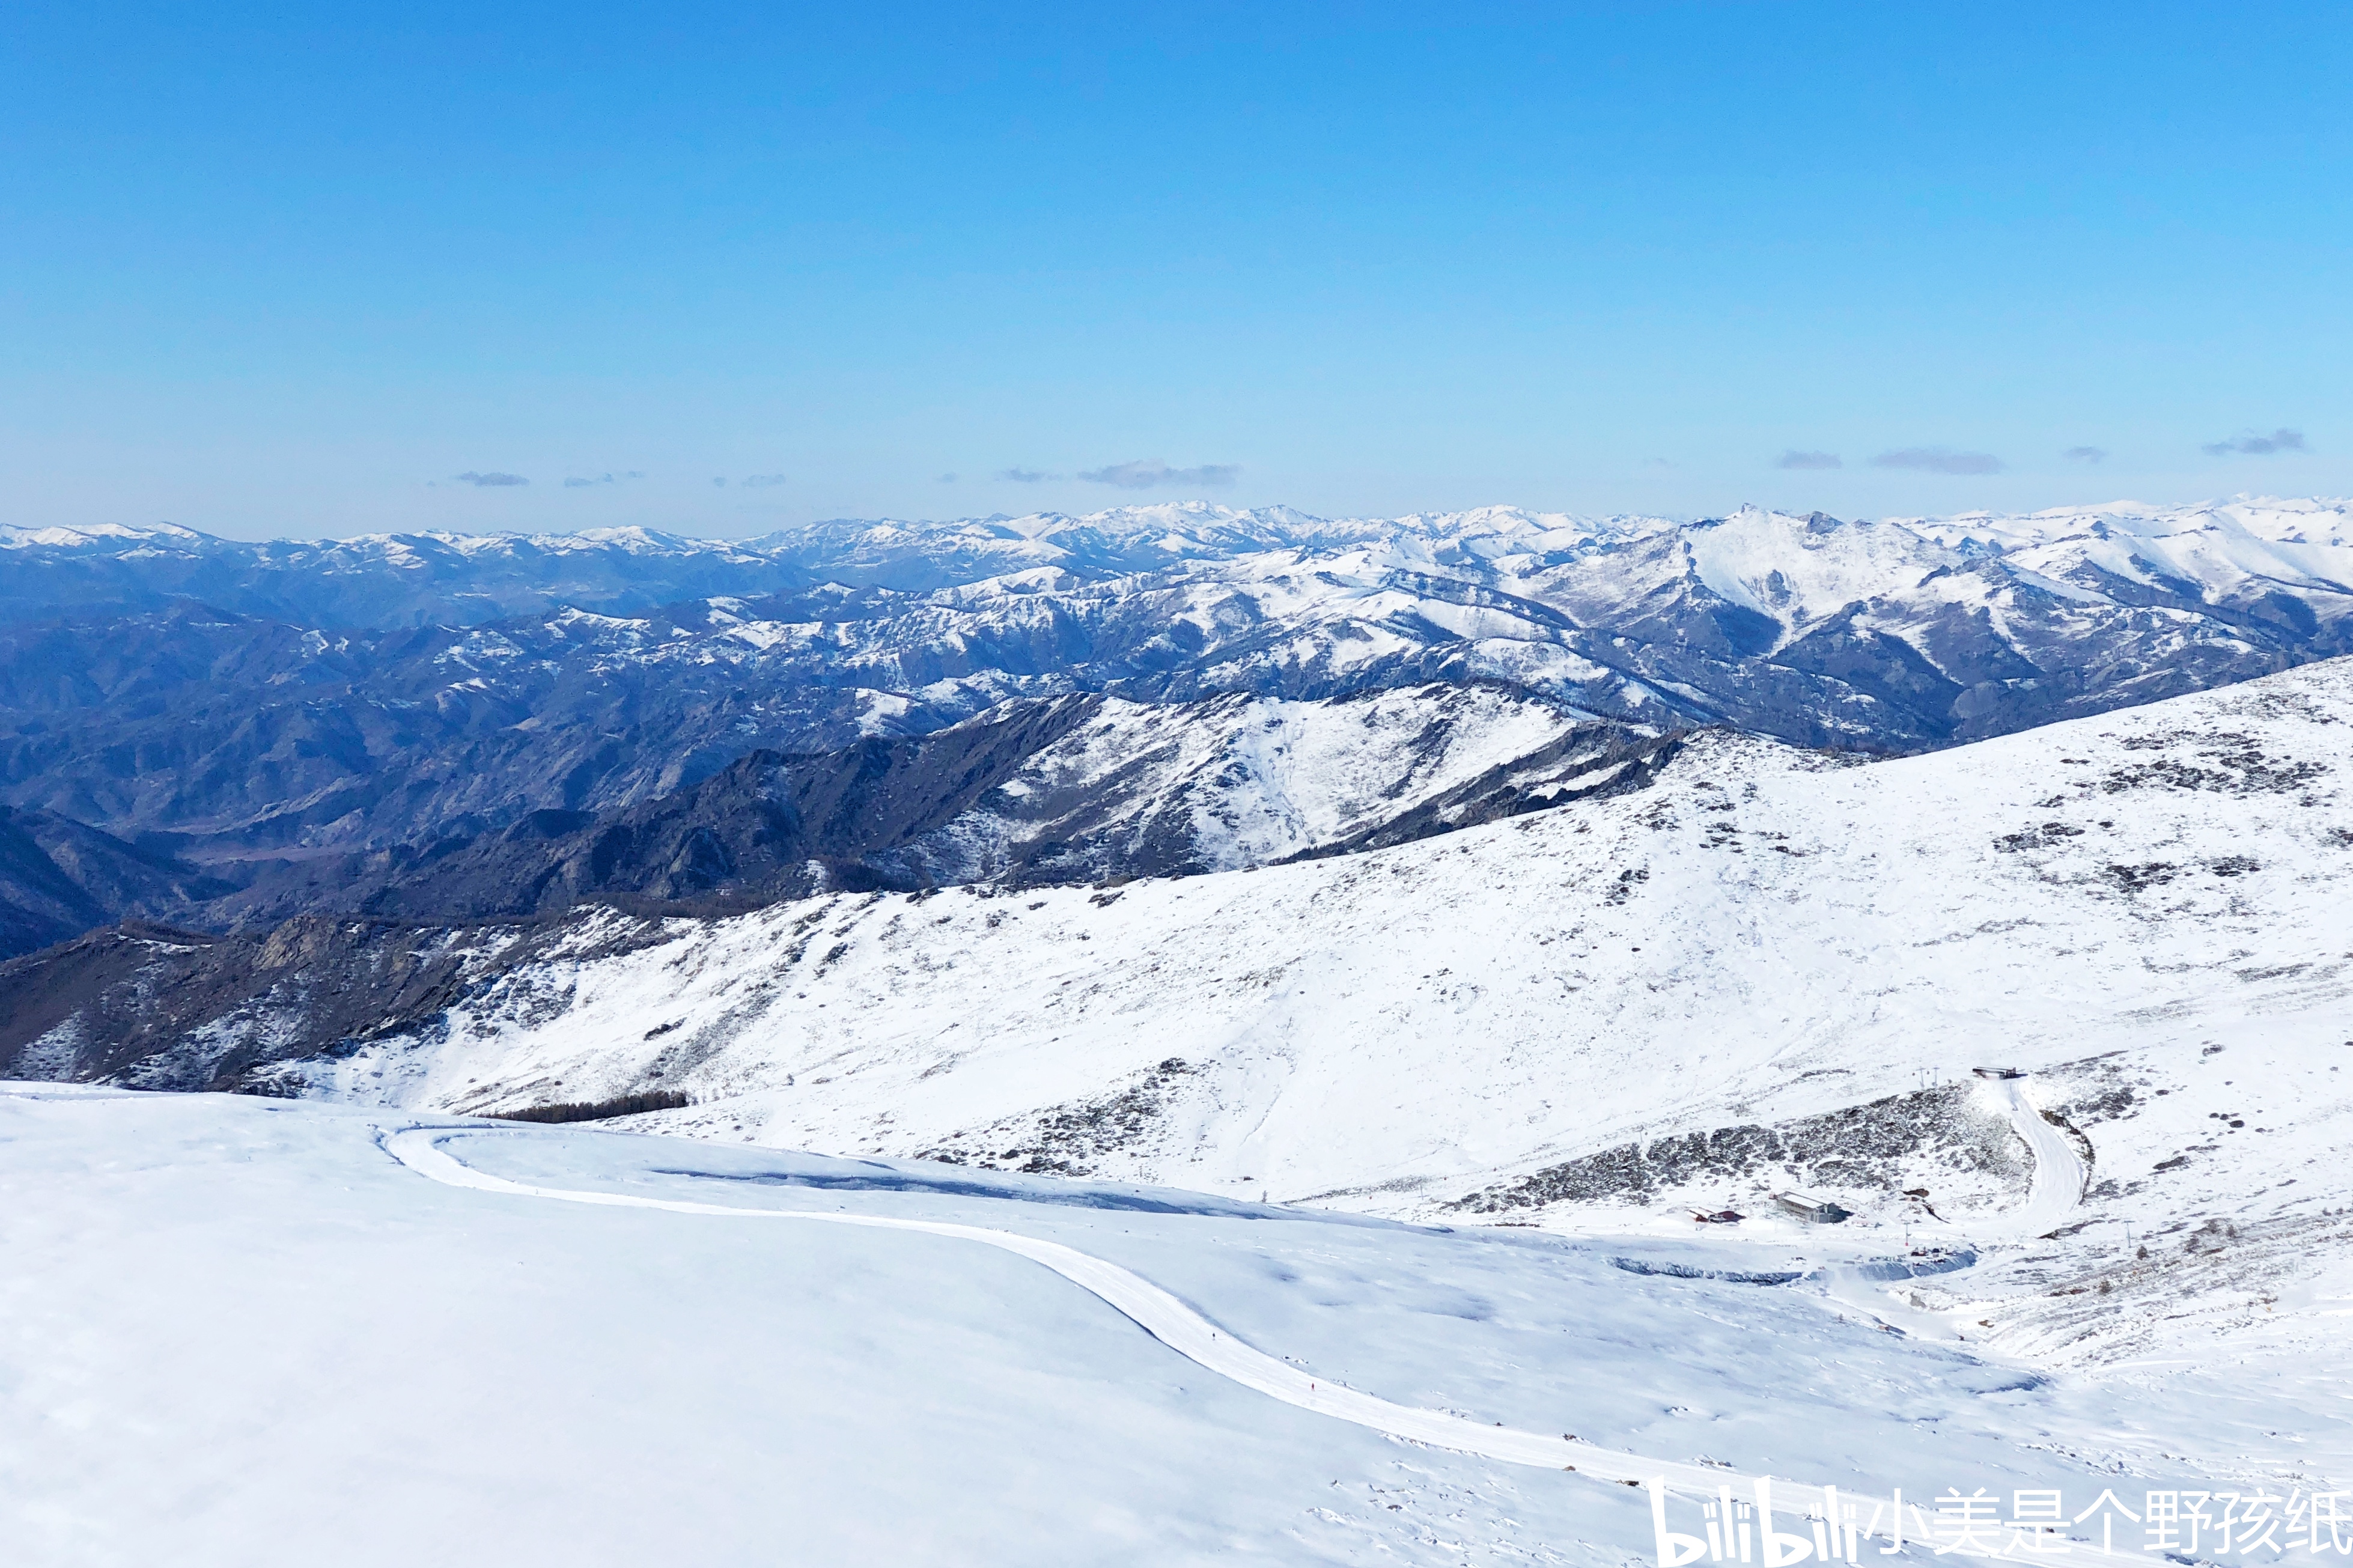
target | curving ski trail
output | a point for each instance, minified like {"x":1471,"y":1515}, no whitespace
{"x":1194,"y":1337}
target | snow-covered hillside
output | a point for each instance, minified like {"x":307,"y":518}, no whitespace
{"x":1764,"y":912}
{"x":1770,"y":969}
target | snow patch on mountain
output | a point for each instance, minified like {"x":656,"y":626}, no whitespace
{"x":1238,"y":782}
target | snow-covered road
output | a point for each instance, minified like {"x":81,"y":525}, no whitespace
{"x":2054,"y":1190}
{"x":1182,"y":1329}
{"x":2060,"y":1173}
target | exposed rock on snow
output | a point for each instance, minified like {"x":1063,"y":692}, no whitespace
{"x":1945,"y":1136}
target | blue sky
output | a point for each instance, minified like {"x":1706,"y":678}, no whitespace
{"x":293,"y":269}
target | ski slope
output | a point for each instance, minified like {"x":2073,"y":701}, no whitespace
{"x":2056,"y":1187}
{"x":1186,"y":1331}
{"x":243,"y":1331}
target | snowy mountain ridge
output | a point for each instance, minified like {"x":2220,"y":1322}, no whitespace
{"x":1748,"y":881}
{"x":1065,"y":790}
{"x":2215,"y":543}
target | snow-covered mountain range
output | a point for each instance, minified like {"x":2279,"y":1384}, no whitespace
{"x":1796,"y":571}
{"x":205,"y":714}
{"x":1031,"y":793}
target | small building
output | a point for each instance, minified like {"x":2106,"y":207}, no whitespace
{"x":1814,"y":1211}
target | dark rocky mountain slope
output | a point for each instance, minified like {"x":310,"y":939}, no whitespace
{"x":58,"y":876}
{"x":1073,"y":789}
